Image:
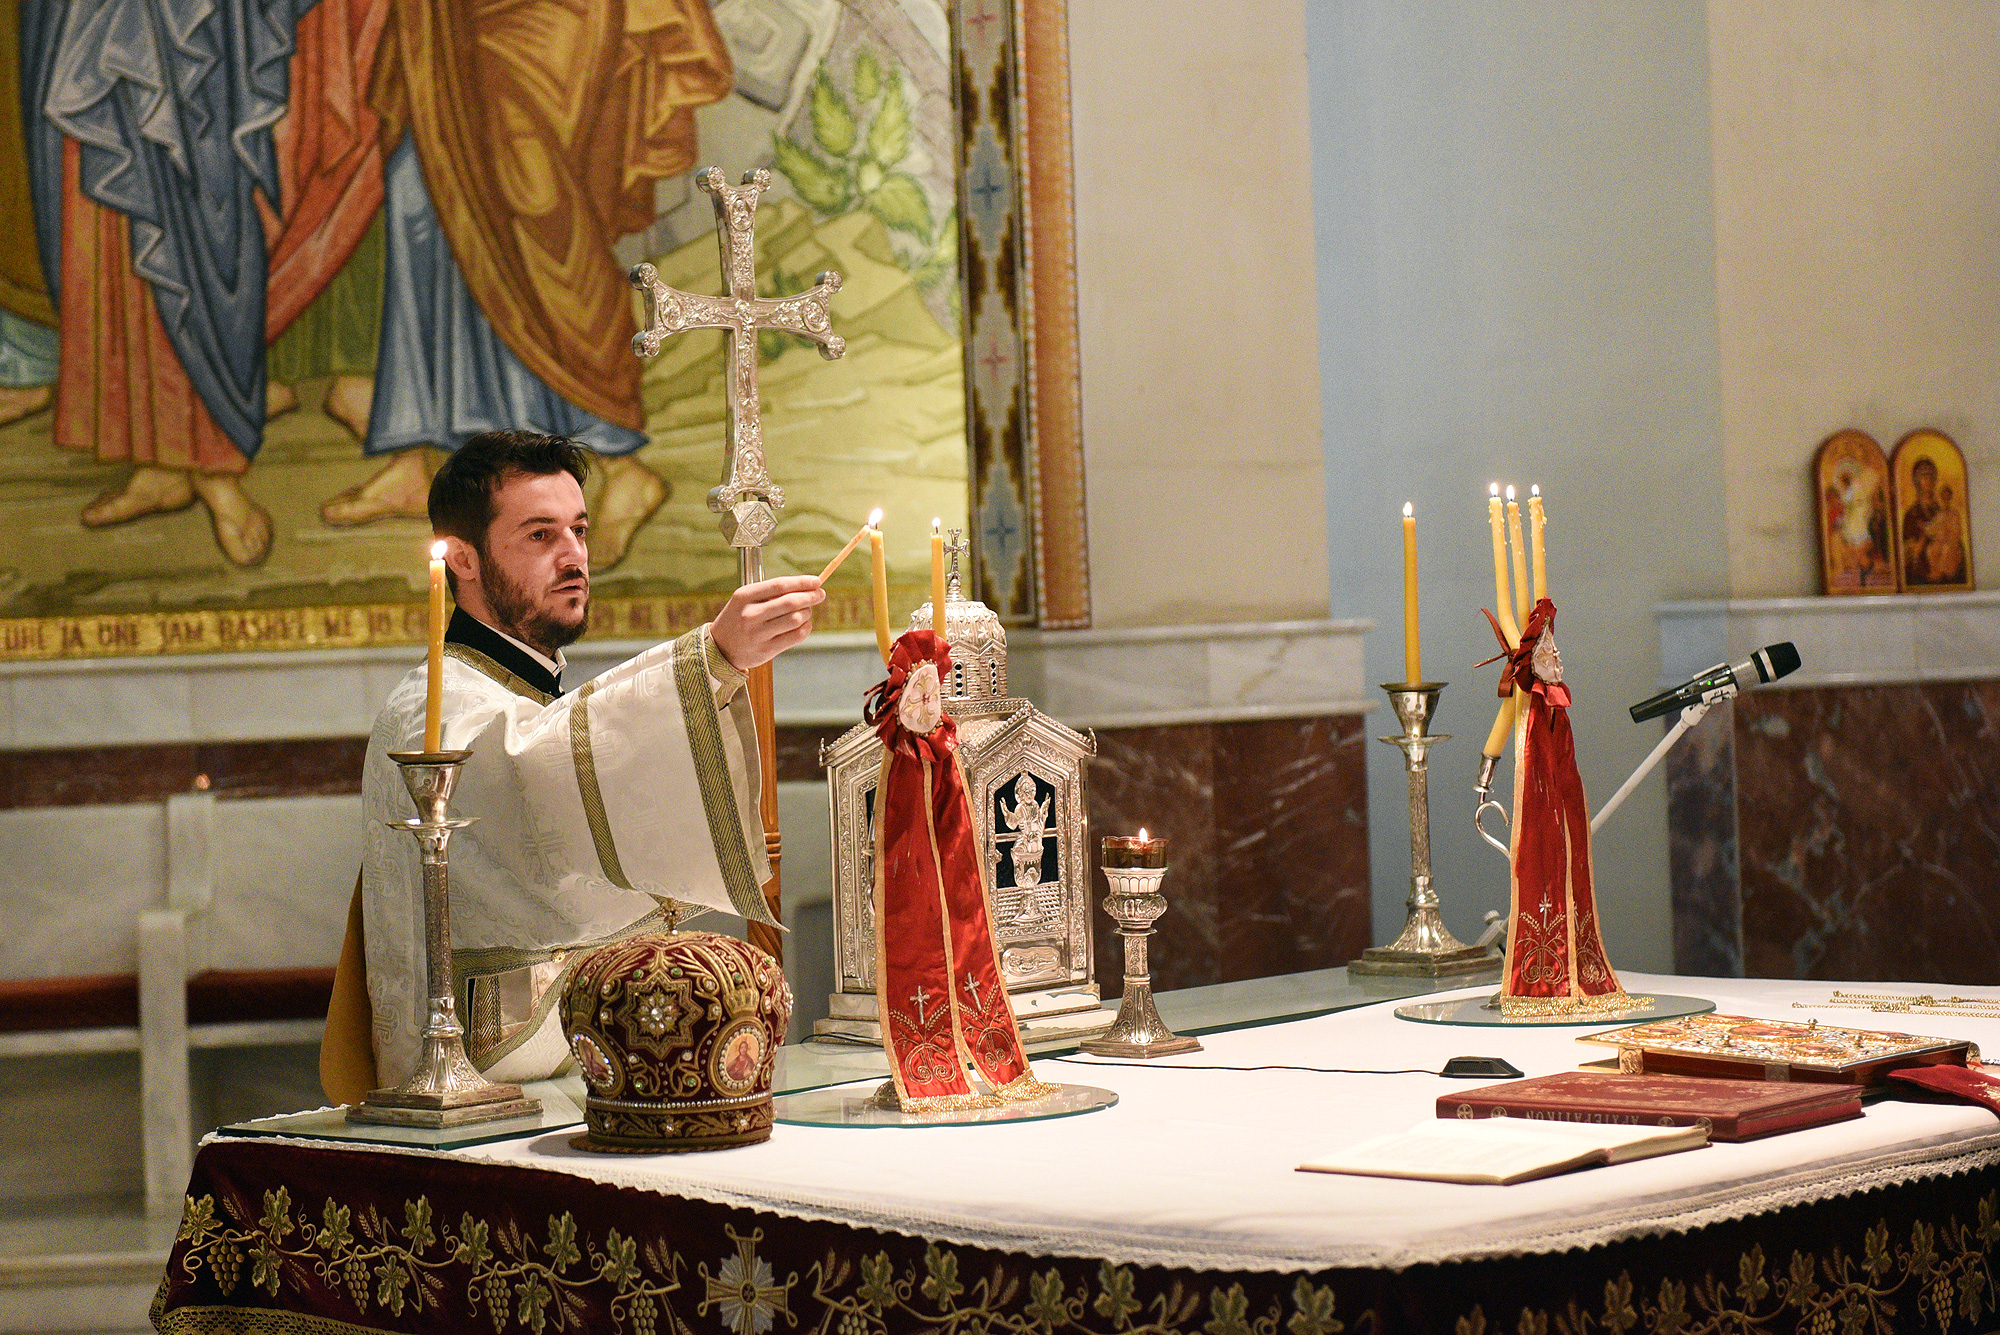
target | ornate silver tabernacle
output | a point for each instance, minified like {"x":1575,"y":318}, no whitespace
{"x":1024,"y":777}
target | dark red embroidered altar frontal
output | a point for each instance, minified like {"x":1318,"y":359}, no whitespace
{"x":283,"y":1238}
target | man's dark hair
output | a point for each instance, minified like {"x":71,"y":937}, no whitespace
{"x":461,"y":500}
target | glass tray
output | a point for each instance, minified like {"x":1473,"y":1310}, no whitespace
{"x":859,"y":1105}
{"x":1480,"y":1011}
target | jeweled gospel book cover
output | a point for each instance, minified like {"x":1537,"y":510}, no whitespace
{"x":1742,"y":1048}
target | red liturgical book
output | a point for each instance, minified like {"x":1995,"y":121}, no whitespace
{"x":1731,"y":1109}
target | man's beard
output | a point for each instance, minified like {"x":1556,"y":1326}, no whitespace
{"x":520,"y":616}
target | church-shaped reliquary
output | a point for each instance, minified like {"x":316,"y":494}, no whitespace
{"x":1024,"y":776}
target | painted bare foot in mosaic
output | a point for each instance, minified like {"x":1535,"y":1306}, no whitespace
{"x":242,"y":528}
{"x":401,"y":490}
{"x":149,"y":491}
{"x":631,"y":493}
{"x":279,"y":399}
{"x":349,"y":400}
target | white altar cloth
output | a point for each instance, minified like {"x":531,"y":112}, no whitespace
{"x":1198,"y":1169}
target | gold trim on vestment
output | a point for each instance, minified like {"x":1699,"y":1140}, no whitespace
{"x":587,"y":789}
{"x":711,"y":772}
{"x":558,"y":987}
{"x":486,"y":667}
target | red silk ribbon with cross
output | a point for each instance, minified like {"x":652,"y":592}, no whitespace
{"x":938,"y":988}
{"x":1555,"y":946}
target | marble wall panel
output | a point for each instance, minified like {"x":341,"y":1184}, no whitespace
{"x":1269,"y":851}
{"x":1869,"y":828}
{"x":72,"y":885}
{"x":289,"y":861}
{"x":1702,"y":848}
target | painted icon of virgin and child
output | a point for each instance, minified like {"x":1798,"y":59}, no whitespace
{"x":1933,"y":530}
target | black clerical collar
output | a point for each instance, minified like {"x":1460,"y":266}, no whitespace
{"x":470,"y":632}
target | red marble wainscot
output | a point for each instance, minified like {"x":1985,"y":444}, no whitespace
{"x":1268,"y":845}
{"x":1866,"y":839}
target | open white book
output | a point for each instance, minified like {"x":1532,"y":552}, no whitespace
{"x":1503,"y":1150}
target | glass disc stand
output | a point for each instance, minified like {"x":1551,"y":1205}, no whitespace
{"x":1486,"y":1011}
{"x":874,"y":1105}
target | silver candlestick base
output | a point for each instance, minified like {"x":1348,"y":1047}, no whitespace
{"x":1426,"y":948}
{"x":1134,"y":903}
{"x":445,"y":1089}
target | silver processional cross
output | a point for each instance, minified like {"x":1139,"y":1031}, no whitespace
{"x":747,"y":499}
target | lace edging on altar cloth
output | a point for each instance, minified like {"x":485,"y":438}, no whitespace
{"x":1140,"y":1247}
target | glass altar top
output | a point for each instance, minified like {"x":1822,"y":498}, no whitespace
{"x":817,"y":1065}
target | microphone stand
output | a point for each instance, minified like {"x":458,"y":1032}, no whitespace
{"x":1690,"y":716}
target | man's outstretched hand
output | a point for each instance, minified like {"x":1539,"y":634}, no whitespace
{"x":763,"y":620}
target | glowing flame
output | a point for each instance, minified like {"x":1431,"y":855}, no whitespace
{"x":1535,"y":490}
{"x":1409,"y":511}
{"x":1493,"y":489}
{"x":437,"y":550}
{"x":1142,"y":834}
{"x":937,"y":526}
{"x":1510,"y":491}
{"x":875,"y":518}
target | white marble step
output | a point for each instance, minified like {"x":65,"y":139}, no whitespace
{"x":80,"y":1266}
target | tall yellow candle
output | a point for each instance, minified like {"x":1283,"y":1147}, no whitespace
{"x":1503,"y":726}
{"x":1538,"y":524}
{"x":881,"y":593}
{"x":1520,"y":559}
{"x":1503,"y":598}
{"x":1413,"y":654}
{"x":1503,"y":612}
{"x":937,"y":577}
{"x":434,"y":685}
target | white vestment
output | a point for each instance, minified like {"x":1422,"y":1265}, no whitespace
{"x":587,"y":807}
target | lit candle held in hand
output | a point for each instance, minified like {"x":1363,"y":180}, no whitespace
{"x":874,"y":519}
{"x":937,"y":577}
{"x":1413,"y":654}
{"x":881,"y":588}
{"x":434,"y":685}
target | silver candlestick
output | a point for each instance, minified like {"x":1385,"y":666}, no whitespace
{"x":1133,"y":870}
{"x":1426,"y":948}
{"x":445,"y":1089}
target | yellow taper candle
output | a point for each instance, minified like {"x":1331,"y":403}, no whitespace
{"x":1503,"y":598}
{"x":434,"y":686}
{"x":1538,"y":524}
{"x":1413,"y":653}
{"x":881,"y":592}
{"x":1503,"y":612}
{"x":1520,"y":559}
{"x":1503,"y":725}
{"x":937,"y":577}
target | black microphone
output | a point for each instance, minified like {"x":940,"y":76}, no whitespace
{"x":1722,"y":681}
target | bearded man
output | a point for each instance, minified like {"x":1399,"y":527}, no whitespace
{"x":591,"y":805}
